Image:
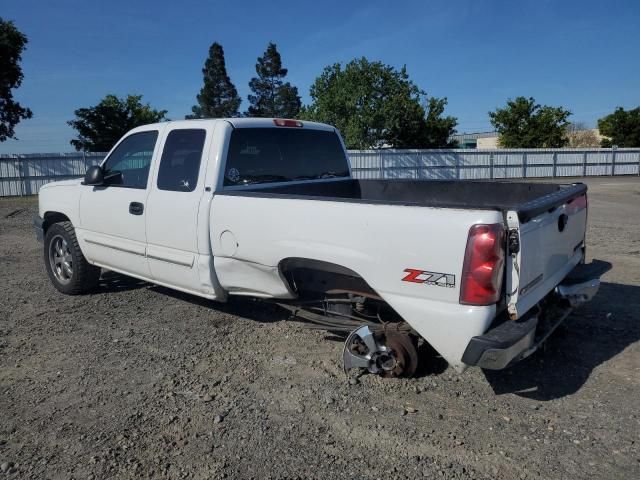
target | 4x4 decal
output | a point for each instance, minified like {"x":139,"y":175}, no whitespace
{"x":430,"y":278}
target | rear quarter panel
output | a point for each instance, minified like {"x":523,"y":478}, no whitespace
{"x":376,"y":241}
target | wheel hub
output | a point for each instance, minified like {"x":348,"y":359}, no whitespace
{"x":392,"y":354}
{"x":384,"y":360}
{"x":60,"y":259}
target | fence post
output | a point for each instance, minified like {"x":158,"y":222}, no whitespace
{"x":20,"y":176}
{"x":524,"y":165}
{"x":381,"y":164}
{"x":584,"y":164}
{"x":613,"y":160}
{"x":555,"y":164}
{"x":491,"y":166}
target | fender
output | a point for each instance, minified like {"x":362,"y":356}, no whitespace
{"x":61,"y":198}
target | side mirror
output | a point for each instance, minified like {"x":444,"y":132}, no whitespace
{"x":94,"y":176}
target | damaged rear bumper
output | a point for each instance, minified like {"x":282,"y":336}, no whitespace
{"x":511,"y":341}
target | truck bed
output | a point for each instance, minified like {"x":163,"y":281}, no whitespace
{"x":527,"y":199}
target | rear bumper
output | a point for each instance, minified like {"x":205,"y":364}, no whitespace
{"x":583,"y":282}
{"x":512,"y":341}
{"x":38,"y":227}
{"x":501,"y":344}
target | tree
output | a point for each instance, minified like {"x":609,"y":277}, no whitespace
{"x":622,"y":127}
{"x":271,"y":97}
{"x":374,"y":105}
{"x":579,"y":136}
{"x":100,"y":127}
{"x":438,"y":129}
{"x":12,"y":44}
{"x":218,"y":97}
{"x":525,"y":124}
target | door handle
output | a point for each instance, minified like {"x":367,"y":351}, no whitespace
{"x":136,"y":208}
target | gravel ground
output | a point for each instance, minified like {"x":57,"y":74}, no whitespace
{"x":139,"y":381}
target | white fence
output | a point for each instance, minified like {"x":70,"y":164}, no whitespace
{"x":25,"y":174}
{"x":489,"y":164}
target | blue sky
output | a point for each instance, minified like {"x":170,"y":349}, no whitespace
{"x":582,"y":55}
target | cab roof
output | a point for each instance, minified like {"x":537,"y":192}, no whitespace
{"x":235,"y":123}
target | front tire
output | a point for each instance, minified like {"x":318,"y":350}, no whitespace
{"x":66,"y":266}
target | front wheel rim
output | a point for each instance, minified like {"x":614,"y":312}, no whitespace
{"x":60,"y":259}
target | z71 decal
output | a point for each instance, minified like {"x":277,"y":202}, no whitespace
{"x":430,"y":278}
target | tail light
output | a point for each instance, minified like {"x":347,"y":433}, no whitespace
{"x":483,"y":265}
{"x":283,"y":122}
{"x":577,"y":204}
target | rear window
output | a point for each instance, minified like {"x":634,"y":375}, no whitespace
{"x":260,"y":155}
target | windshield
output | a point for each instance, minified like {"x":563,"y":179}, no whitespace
{"x":260,"y":155}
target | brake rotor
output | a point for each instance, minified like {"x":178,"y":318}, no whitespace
{"x":389,"y":355}
{"x":405,"y":353}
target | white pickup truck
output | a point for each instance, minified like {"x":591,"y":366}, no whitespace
{"x":481,"y":271}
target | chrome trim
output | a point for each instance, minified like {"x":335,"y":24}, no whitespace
{"x":579,"y":293}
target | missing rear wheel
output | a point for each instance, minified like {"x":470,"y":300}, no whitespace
{"x":389,"y":354}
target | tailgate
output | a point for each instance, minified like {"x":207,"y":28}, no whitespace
{"x":548,"y":235}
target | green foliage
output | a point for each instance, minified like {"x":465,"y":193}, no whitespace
{"x":438,"y":129}
{"x":271,"y":96}
{"x":374,"y":105}
{"x":100,"y":127}
{"x":622,"y":127}
{"x":12,"y":44}
{"x":525,"y":124}
{"x":218,"y":97}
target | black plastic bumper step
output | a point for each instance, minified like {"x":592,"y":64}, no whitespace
{"x":586,"y":271}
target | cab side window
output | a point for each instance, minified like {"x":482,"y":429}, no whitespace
{"x":128,"y":165}
{"x":180,"y":161}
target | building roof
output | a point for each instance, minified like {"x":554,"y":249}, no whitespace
{"x":472,"y":136}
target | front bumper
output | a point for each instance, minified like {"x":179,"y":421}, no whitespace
{"x":511,"y":341}
{"x":38,"y":226}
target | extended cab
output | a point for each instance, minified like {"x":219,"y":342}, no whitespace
{"x":482,"y":271}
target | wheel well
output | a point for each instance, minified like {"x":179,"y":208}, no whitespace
{"x":53,"y":217}
{"x":307,"y":276}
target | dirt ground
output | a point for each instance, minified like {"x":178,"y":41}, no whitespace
{"x":135,"y":380}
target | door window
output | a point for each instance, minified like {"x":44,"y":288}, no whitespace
{"x":128,"y":165}
{"x":180,"y":162}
